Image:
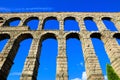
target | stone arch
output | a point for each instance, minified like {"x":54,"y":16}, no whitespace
{"x":117,"y":37}
{"x":50,"y":18}
{"x":90,"y":24}
{"x":45,"y":36}
{"x":96,"y":35}
{"x":23,"y":36}
{"x":73,"y":35}
{"x":98,"y":44}
{"x":17,"y":41}
{"x":32,"y":18}
{"x":73,"y":26}
{"x":19,"y":34}
{"x":28,"y":19}
{"x":48,"y":35}
{"x":108,"y":23}
{"x":14,"y":50}
{"x":70,"y":17}
{"x":74,"y":55}
{"x":4,"y":36}
{"x":88,"y":17}
{"x":106,"y":17}
{"x":7,"y":23}
{"x":3,"y":40}
{"x":1,"y":21}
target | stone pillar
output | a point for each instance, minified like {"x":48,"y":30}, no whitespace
{"x":100,"y":24}
{"x":62,"y":69}
{"x":41,"y":24}
{"x":116,"y":23}
{"x":32,"y":62}
{"x":92,"y":65}
{"x":61,"y":23}
{"x":113,"y":50}
{"x":6,"y":58}
{"x":81,"y":24}
{"x":21,"y":21}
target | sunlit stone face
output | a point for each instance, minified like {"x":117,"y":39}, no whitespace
{"x":83,"y":28}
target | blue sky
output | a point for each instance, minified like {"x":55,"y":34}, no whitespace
{"x":62,"y":5}
{"x":47,"y":70}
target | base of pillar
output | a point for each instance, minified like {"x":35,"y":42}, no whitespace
{"x":61,"y":77}
{"x":26,"y":78}
{"x":95,"y":77}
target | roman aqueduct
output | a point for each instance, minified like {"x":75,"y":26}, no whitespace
{"x":21,"y":32}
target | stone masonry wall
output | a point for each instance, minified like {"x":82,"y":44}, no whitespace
{"x":31,"y":65}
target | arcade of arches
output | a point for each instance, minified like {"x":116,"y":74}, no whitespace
{"x":22,"y":31}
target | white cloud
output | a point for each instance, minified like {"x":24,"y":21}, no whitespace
{"x":84,"y":77}
{"x":81,"y":64}
{"x":76,"y":79}
{"x":105,"y":77}
{"x":29,"y":9}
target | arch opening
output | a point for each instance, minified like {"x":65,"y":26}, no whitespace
{"x":12,"y":22}
{"x":1,"y":21}
{"x":109,"y":24}
{"x":90,"y":24}
{"x":20,"y":52}
{"x":32,"y":23}
{"x":76,"y":66}
{"x":96,"y":35}
{"x":70,"y":24}
{"x":47,"y":68}
{"x":3,"y":41}
{"x":51,"y":23}
{"x":100,"y":51}
{"x":117,"y":37}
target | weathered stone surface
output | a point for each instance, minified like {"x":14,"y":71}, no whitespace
{"x":22,"y":31}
